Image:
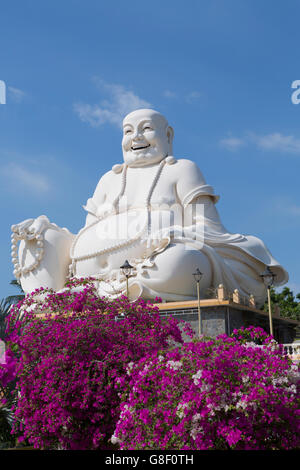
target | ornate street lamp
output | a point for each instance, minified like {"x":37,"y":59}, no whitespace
{"x":198,"y":276}
{"x":126,"y":270}
{"x":268,"y":278}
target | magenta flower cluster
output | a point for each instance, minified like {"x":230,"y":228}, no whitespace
{"x":227,"y":393}
{"x":72,"y":359}
{"x":253,"y":334}
{"x":8,"y":363}
{"x":94,"y":373}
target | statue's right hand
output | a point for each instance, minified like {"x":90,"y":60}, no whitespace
{"x":30,"y":228}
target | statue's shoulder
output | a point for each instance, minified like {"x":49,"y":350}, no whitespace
{"x":111,"y":174}
{"x":188,"y":171}
{"x":105,"y":181}
{"x":186,"y":163}
{"x":183,"y":165}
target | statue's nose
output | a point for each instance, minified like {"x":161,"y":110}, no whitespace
{"x":137,"y":135}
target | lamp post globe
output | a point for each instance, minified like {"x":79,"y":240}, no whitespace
{"x":126,"y":270}
{"x":268,"y":278}
{"x":198,"y":276}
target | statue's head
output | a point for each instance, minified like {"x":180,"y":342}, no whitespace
{"x":147,"y":138}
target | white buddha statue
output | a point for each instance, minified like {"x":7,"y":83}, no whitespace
{"x":158,"y":213}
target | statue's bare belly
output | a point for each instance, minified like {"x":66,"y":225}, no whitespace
{"x":110,"y":242}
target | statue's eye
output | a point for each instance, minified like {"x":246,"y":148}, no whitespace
{"x":147,"y":128}
{"x":127,"y":131}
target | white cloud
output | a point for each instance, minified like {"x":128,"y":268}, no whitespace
{"x":2,"y":92}
{"x":293,"y":210}
{"x":193,"y":96}
{"x":189,"y":98}
{"x":112,"y":110}
{"x":275,"y":142}
{"x":16,"y":94}
{"x":169,"y":94}
{"x":31,"y":180}
{"x":278,"y":142}
{"x":232,"y":143}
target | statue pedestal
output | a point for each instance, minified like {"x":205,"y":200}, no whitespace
{"x":219,"y":317}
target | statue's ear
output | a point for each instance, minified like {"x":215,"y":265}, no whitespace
{"x":170,"y":134}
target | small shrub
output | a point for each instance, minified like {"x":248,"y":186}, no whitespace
{"x":8,"y":364}
{"x":71,"y":360}
{"x":226,"y":393}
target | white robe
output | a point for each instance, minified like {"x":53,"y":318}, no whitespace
{"x":161,"y":266}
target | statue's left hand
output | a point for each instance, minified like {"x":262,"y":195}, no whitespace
{"x":43,"y":257}
{"x":30,"y":228}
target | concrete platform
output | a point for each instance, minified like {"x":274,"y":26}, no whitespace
{"x":218,"y":317}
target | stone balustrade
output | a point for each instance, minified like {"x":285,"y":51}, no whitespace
{"x":292,"y":350}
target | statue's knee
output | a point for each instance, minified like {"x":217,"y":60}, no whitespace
{"x":175,"y":268}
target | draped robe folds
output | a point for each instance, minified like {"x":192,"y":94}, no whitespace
{"x":184,"y":224}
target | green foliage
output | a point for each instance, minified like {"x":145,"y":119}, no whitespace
{"x":7,"y":399}
{"x":4,"y":312}
{"x":5,"y":305}
{"x":5,"y":409}
{"x":288,"y":303}
{"x":14,"y":299}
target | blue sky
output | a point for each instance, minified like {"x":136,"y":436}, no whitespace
{"x":219,"y":70}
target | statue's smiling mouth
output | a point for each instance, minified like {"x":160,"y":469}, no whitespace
{"x":140,"y":147}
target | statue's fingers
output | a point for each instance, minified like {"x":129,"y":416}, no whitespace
{"x":17,"y":228}
{"x":36,"y":226}
{"x":31,"y":235}
{"x":22,"y":234}
{"x":23,"y":226}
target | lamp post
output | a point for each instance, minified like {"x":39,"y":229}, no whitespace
{"x":197,"y":276}
{"x":126,"y":270}
{"x":268,"y":278}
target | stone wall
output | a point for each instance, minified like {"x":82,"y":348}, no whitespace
{"x":218,"y":319}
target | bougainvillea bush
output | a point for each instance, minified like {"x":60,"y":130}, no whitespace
{"x":227,"y":393}
{"x":72,"y":359}
{"x":8,"y":363}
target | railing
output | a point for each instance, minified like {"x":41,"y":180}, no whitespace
{"x":292,"y":350}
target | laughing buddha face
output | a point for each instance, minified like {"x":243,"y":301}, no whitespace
{"x":147,"y":138}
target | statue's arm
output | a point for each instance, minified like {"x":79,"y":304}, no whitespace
{"x":97,"y":201}
{"x":192,"y":190}
{"x":205,"y":212}
{"x":188,"y":178}
{"x":190,"y":183}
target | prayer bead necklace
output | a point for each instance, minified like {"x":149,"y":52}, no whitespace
{"x":15,"y":238}
{"x":72,"y":269}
